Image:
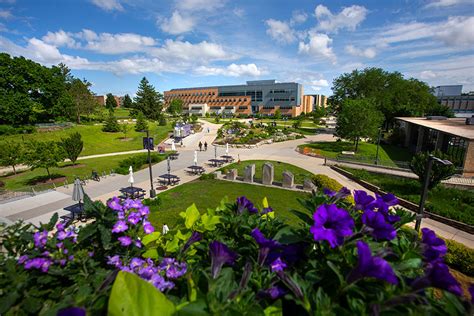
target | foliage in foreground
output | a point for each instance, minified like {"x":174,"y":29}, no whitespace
{"x":232,"y":260}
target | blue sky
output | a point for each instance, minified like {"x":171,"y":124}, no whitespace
{"x":186,"y":43}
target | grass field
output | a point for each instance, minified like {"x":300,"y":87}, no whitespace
{"x":98,"y":142}
{"x":449,"y":202}
{"x":208,"y":194}
{"x":288,"y":123}
{"x":83,"y":168}
{"x":388,"y":154}
{"x":278,"y":168}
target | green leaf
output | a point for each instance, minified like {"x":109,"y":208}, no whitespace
{"x":305,"y":217}
{"x":265,"y":202}
{"x":173,"y":245}
{"x":105,"y":236}
{"x":52,"y":221}
{"x":182,"y":236}
{"x":150,"y":237}
{"x":7,"y":301}
{"x":287,"y":235}
{"x":409,"y":264}
{"x":196,"y":308}
{"x":133,"y":296}
{"x":86,"y":232}
{"x":210,"y":222}
{"x":191,"y":216}
{"x":150,"y":253}
{"x":336,"y":271}
{"x":273,"y":311}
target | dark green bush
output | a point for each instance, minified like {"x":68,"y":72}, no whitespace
{"x":460,"y":257}
{"x":137,"y":162}
{"x":11,"y":130}
{"x":152,"y":202}
{"x":207,"y":176}
{"x":324,"y":182}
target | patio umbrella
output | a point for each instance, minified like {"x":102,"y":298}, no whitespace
{"x":195,"y":158}
{"x":173,"y":147}
{"x":130,"y":178}
{"x":227,"y":149}
{"x":77,"y":191}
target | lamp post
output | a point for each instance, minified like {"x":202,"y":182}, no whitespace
{"x":152,"y":191}
{"x":378,"y":145}
{"x":426,"y":181}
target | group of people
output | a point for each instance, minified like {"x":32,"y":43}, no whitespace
{"x":200,"y":146}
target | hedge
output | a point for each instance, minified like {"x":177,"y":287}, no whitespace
{"x":322,"y":181}
{"x":138,"y":161}
{"x":460,"y":257}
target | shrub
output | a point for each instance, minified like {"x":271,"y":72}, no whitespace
{"x":111,"y":125}
{"x":138,"y":161}
{"x":141,"y":124}
{"x":322,"y":181}
{"x":207,"y":176}
{"x":11,"y":130}
{"x":439,"y":172}
{"x":162,"y":120}
{"x":460,"y":257}
{"x":152,"y":202}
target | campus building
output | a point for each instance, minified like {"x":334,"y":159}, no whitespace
{"x":454,"y":137}
{"x":314,"y":101}
{"x":101,"y":99}
{"x":260,"y":96}
{"x":452,"y":96}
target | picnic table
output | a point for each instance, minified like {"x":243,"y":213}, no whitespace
{"x":227,"y":158}
{"x":195,"y":170}
{"x":217,"y":162}
{"x":77,"y":212}
{"x":174,"y":156}
{"x":169,"y":179}
{"x":132,"y":193}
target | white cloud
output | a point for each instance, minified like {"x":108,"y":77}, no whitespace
{"x":233,"y":70}
{"x":59,"y":38}
{"x":239,"y":12}
{"x":298,"y":17}
{"x":108,"y":5}
{"x":120,"y":43}
{"x":367,"y":52}
{"x":427,"y":74}
{"x":349,"y":18}
{"x":454,"y":31}
{"x":445,"y":3}
{"x":280,"y":31}
{"x":199,"y":5}
{"x":5,"y":14}
{"x":177,"y":24}
{"x":318,"y":45}
{"x":186,"y":51}
{"x":320,"y":83}
{"x":88,"y":35}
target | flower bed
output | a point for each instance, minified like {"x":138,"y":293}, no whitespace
{"x":235,"y":259}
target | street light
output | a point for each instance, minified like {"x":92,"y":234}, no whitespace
{"x":152,"y":191}
{"x":426,"y":181}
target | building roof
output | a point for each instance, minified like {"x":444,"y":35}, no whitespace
{"x":249,"y":85}
{"x":453,"y":126}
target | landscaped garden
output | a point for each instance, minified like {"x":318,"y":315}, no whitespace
{"x":238,"y":258}
{"x":389,"y":155}
{"x":278,"y":168}
{"x":96,"y":141}
{"x":453,"y":203}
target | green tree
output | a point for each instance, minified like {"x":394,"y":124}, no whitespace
{"x":141,"y":124}
{"x":318,"y":114}
{"x":127,"y":102}
{"x":162,"y":120}
{"x":148,"y":101}
{"x":110,"y":102}
{"x":72,"y":146}
{"x":11,"y":154}
{"x":111,"y":125}
{"x":277,"y":114}
{"x":391,"y":93}
{"x":124,"y":128}
{"x":440,"y":110}
{"x":358,"y":119}
{"x":439,"y":172}
{"x":84,"y":101}
{"x":298,"y":122}
{"x":46,"y":155}
{"x":175,"y":107}
{"x":193,"y":118}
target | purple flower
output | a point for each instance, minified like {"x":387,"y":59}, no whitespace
{"x":22,"y":259}
{"x":70,"y":258}
{"x":437,"y":275}
{"x":379,"y":228}
{"x":136,"y":262}
{"x":114,"y":261}
{"x":172,"y":268}
{"x":220,"y":254}
{"x":125,"y":241}
{"x":120,"y":226}
{"x":433,"y":247}
{"x":471,"y":291}
{"x":134,"y":218}
{"x":278,"y":265}
{"x":363,"y":200}
{"x":332,"y":224}
{"x":383,"y":203}
{"x":62,"y":262}
{"x":160,"y":283}
{"x":266,"y":210}
{"x":146,"y":272}
{"x":195,"y":237}
{"x":129,"y":203}
{"x":40,"y":238}
{"x":244,"y":204}
{"x":342,"y":193}
{"x":90,"y":254}
{"x":38,"y":263}
{"x":369,"y":266}
{"x":266,"y":245}
{"x":144,"y":210}
{"x":148,"y":227}
{"x":72,"y":311}
{"x":389,"y":199}
{"x":138,"y":243}
{"x":60,"y":226}
{"x":114,"y":204}
{"x":274,"y":292}
{"x":121,"y":214}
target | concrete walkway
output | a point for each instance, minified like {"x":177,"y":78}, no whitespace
{"x":41,"y":207}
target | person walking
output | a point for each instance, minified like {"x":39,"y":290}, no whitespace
{"x":205,"y":146}
{"x":200,"y":146}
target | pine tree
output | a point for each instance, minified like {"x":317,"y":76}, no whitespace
{"x":110,"y":102}
{"x":148,"y":101}
{"x":142,"y":124}
{"x":127,"y":102}
{"x":111,"y":124}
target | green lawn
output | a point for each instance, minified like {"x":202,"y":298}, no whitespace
{"x":208,"y":194}
{"x":288,"y":123}
{"x":449,"y":202}
{"x":278,"y":168}
{"x":388,"y":154}
{"x":98,"y":142}
{"x":83,"y":168}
